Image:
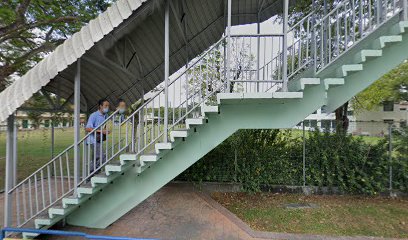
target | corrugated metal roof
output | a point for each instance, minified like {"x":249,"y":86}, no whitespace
{"x":122,"y":50}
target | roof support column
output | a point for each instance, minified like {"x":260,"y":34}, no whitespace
{"x":228,"y":57}
{"x":77,"y":108}
{"x":166,"y":69}
{"x":285,"y":45}
{"x":10,"y":145}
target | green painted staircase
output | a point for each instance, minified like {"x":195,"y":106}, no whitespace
{"x":127,"y":182}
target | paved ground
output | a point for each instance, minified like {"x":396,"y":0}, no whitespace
{"x":178,"y":211}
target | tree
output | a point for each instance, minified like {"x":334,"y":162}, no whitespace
{"x":393,"y":86}
{"x":29,"y":29}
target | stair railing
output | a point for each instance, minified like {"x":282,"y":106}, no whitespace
{"x":314,"y":43}
{"x":54,"y":180}
{"x":347,"y":24}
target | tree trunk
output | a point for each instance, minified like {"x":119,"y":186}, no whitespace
{"x":342,"y":121}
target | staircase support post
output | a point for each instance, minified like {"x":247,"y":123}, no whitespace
{"x":228,"y":57}
{"x":166,"y":70}
{"x":77,"y":108}
{"x":285,"y":46}
{"x":9,"y":172}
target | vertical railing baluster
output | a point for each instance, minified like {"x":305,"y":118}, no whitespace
{"x":37,"y":207}
{"x":24,"y":201}
{"x":49,"y":183}
{"x":42,"y":188}
{"x":30,"y":197}
{"x":68,"y":171}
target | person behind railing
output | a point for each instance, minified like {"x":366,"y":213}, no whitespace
{"x":96,"y":139}
{"x":121,"y":111}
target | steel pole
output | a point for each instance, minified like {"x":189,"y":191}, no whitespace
{"x":390,"y":156}
{"x":15,"y":153}
{"x":285,"y":46}
{"x":9,"y":172}
{"x":258,"y":51}
{"x":228,"y":58}
{"x":304,"y":154}
{"x":77,"y":102}
{"x":405,"y":10}
{"x":166,"y":69}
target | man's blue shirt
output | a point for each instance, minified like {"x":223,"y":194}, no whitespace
{"x":95,"y":119}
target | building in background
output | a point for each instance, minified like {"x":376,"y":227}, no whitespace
{"x":366,"y":123}
{"x":24,"y":122}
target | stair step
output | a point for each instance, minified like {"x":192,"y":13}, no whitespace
{"x":179,"y":133}
{"x":86,"y":189}
{"x":43,"y":220}
{"x":328,"y":82}
{"x":399,"y":28}
{"x":100,"y":178}
{"x":363,"y":54}
{"x":72,"y":200}
{"x":235,"y":98}
{"x":382,"y":41}
{"x":27,"y":235}
{"x":350,"y":68}
{"x":300,"y":84}
{"x":114,"y":166}
{"x":205,"y":109}
{"x":152,"y":157}
{"x":194,"y":121}
{"x":158,"y":147}
{"x":128,"y":157}
{"x":58,"y":210}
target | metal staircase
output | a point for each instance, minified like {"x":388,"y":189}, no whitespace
{"x":235,"y":84}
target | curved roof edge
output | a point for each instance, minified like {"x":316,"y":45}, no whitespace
{"x":64,"y":55}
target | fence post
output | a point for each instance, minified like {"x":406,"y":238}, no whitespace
{"x":304,"y":153}
{"x":390,"y":156}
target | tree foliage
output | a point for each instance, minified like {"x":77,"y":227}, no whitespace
{"x":393,"y":86}
{"x":29,"y":29}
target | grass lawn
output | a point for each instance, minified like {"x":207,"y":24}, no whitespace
{"x":34,"y":149}
{"x":336,"y":215}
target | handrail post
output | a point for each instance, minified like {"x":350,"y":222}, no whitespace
{"x":77,"y":108}
{"x":258,"y":51}
{"x":285,"y":46}
{"x":8,"y":213}
{"x":314,"y":46}
{"x":228,"y":58}
{"x":166,"y":70}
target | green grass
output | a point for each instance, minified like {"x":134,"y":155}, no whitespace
{"x":336,"y":215}
{"x":34,"y":149}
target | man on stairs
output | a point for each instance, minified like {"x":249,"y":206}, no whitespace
{"x":96,"y":139}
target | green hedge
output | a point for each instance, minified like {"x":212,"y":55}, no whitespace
{"x":258,"y":158}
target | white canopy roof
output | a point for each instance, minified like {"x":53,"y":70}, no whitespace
{"x":122,"y":50}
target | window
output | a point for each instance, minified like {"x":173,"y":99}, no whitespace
{"x":47,"y":123}
{"x":388,"y":120}
{"x":388,"y":106}
{"x":403,"y":109}
{"x":324,"y":109}
{"x":326,"y":124}
{"x":313,"y":123}
{"x":403,"y":123}
{"x":350,"y":113}
{"x":64,"y":122}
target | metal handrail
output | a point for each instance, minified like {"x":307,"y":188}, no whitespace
{"x":64,"y":151}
